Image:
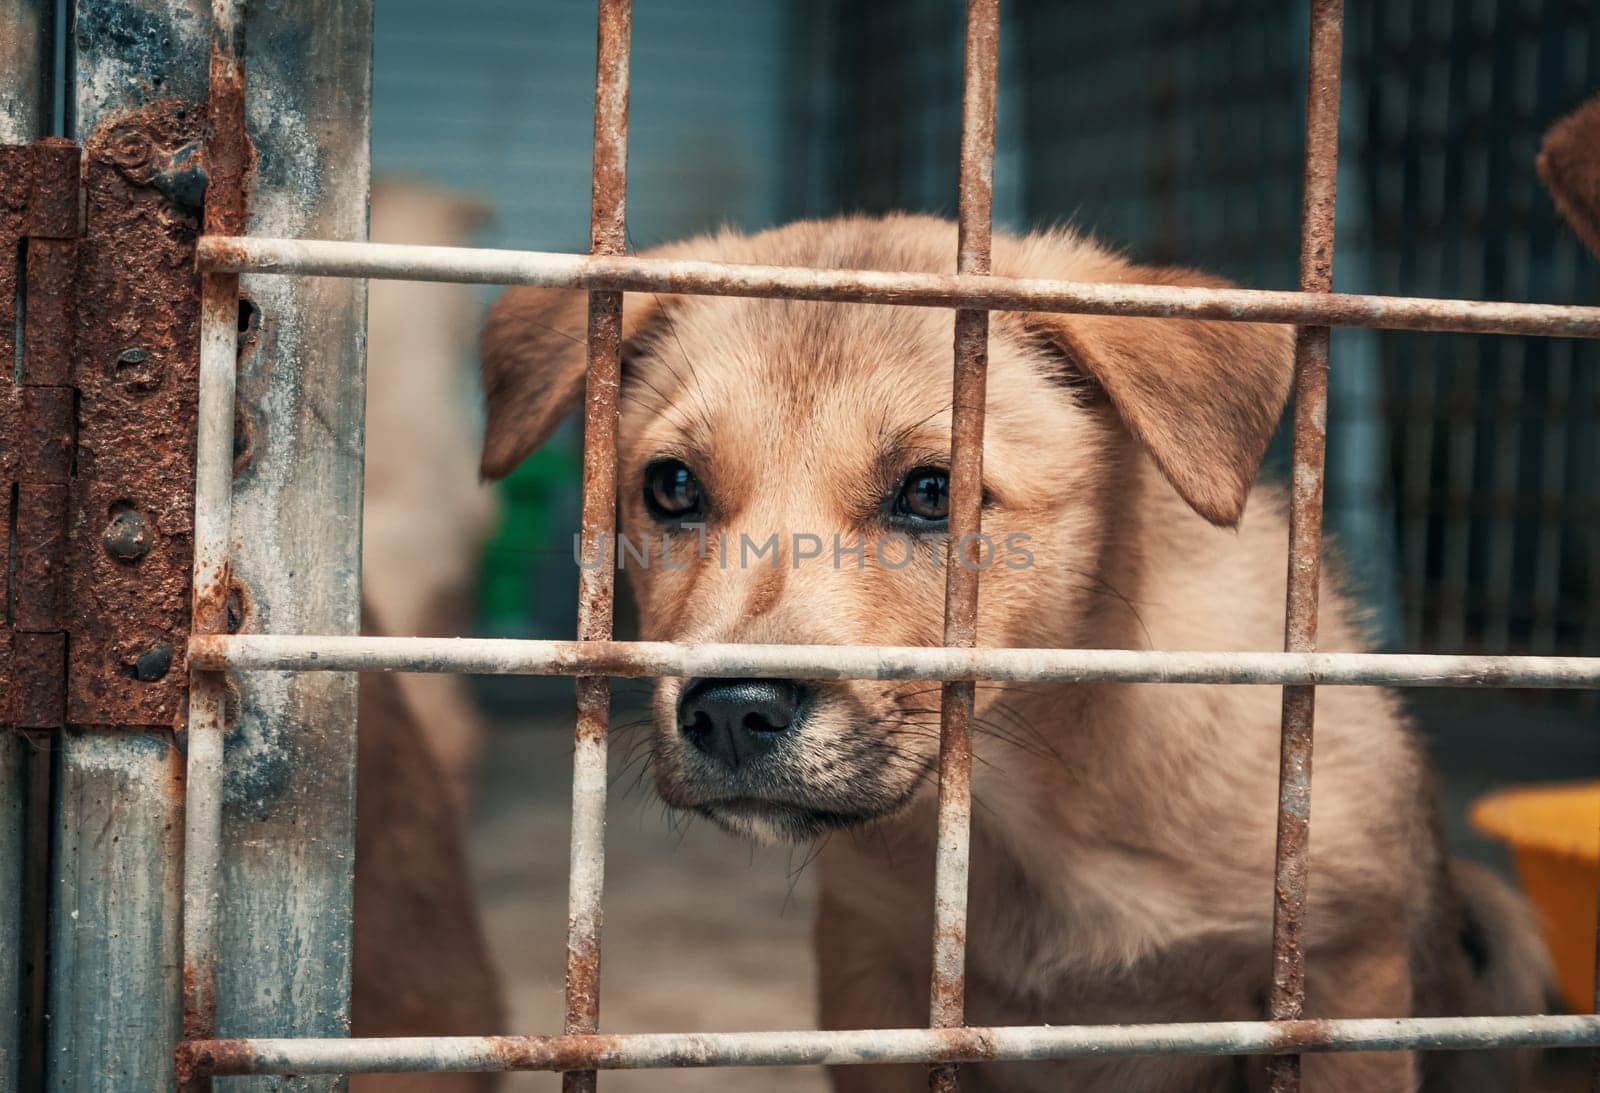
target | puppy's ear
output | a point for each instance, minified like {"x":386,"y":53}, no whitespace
{"x":1202,"y":397}
{"x":533,"y":358}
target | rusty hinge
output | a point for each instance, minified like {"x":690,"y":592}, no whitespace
{"x":39,"y":227}
{"x":99,"y":340}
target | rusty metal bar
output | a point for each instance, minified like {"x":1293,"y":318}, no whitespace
{"x":636,"y":659}
{"x":597,"y":584}
{"x":873,"y":1046}
{"x":226,"y":154}
{"x":327,"y":258}
{"x":948,"y":981}
{"x":1286,"y":1000}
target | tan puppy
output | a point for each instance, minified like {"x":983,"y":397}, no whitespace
{"x":1122,"y":835}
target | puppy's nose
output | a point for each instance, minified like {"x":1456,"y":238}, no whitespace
{"x":734,"y":720}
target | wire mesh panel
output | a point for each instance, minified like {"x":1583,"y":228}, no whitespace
{"x":606,"y":273}
{"x":1460,"y":479}
{"x":1493,"y":441}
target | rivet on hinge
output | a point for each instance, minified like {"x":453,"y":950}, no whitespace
{"x":127,"y":537}
{"x":153,"y":664}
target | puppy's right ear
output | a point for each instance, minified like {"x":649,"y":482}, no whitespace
{"x":533,"y":356}
{"x":1569,"y":164}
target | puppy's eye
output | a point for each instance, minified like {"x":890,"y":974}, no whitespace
{"x":671,"y":491}
{"x":924,"y":496}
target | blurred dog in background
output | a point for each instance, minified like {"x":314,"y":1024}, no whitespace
{"x":426,"y":514}
{"x":421,"y":962}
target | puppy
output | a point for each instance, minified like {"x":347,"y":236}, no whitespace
{"x":1122,"y":836}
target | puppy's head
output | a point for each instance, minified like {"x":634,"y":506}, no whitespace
{"x":783,"y":479}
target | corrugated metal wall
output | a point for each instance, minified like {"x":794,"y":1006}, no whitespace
{"x":496,"y":98}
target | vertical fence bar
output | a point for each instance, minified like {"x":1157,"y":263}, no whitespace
{"x":226,"y":153}
{"x":1288,"y":993}
{"x":597,"y":584}
{"x":947,"y":990}
{"x":288,"y":809}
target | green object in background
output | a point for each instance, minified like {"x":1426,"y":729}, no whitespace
{"x":529,"y":551}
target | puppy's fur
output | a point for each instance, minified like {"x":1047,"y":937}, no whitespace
{"x":1122,"y":835}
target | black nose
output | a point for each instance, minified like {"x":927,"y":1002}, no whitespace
{"x":734,"y":720}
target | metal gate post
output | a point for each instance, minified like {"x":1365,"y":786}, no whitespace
{"x":289,"y":795}
{"x":118,"y":822}
{"x":288,"y":816}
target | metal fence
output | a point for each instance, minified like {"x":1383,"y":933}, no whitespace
{"x":607,"y":273}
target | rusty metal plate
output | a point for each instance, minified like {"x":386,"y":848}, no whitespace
{"x":137,"y":353}
{"x":53,"y":194}
{"x":16,"y":178}
{"x":47,"y":338}
{"x":38,"y":594}
{"x":38,"y":661}
{"x":43,"y":438}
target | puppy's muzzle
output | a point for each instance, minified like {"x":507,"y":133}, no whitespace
{"x":735,"y":721}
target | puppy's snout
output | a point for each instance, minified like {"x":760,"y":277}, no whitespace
{"x":735,"y":720}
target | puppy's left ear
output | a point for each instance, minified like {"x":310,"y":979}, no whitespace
{"x":533,"y":357}
{"x":1202,"y":397}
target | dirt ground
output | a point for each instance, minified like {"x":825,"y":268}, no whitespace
{"x":704,"y":932}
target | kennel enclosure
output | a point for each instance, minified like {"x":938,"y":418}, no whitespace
{"x":191,"y":903}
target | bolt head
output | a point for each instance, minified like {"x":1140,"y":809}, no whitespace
{"x":153,"y":664}
{"x":137,"y":371}
{"x":127,"y":537}
{"x":129,"y":147}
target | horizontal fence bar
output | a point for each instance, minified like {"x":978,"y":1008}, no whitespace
{"x":502,"y":656}
{"x":549,"y":270}
{"x":892,"y":1045}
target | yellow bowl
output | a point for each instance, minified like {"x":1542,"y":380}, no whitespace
{"x":1554,"y":834}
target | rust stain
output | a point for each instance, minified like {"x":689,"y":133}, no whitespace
{"x":52,"y":267}
{"x":199,"y":1059}
{"x":1300,"y":1034}
{"x":45,"y":438}
{"x":226,"y":252}
{"x":38,"y":661}
{"x":229,"y":155}
{"x":39,"y":594}
{"x":53,"y":199}
{"x":568,"y":1053}
{"x":198,"y":1021}
{"x":966,"y":1045}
